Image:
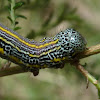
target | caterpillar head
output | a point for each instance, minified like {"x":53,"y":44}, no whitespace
{"x":71,"y":42}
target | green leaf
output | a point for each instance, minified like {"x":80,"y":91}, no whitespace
{"x":17,"y":28}
{"x":18,"y":5}
{"x":9,"y":19}
{"x":22,"y":16}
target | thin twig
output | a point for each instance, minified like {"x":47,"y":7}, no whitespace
{"x":12,"y":13}
{"x":88,"y":76}
{"x":8,"y":63}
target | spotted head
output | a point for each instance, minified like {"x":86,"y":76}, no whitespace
{"x":71,"y":42}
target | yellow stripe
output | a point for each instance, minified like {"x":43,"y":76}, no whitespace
{"x":30,"y":45}
{"x":58,"y":59}
{"x":31,"y":55}
{"x":1,"y":51}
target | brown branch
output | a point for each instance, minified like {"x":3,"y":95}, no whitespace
{"x":11,"y":71}
{"x":90,"y":51}
{"x":15,"y":70}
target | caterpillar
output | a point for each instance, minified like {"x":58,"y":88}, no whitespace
{"x":48,"y":53}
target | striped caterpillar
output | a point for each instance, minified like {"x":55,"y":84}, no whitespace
{"x":48,"y":53}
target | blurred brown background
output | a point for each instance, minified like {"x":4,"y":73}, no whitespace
{"x":46,"y":18}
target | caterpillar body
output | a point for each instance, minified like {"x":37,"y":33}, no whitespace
{"x":48,"y":53}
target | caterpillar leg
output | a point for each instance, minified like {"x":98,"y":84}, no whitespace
{"x":35,"y":71}
{"x":61,"y":65}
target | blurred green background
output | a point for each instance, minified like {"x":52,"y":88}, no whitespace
{"x":46,"y":18}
